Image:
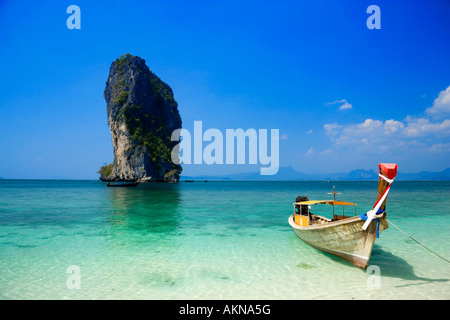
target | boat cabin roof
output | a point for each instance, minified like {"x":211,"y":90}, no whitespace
{"x":332,"y":202}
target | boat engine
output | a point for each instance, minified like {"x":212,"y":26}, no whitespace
{"x":301,"y":209}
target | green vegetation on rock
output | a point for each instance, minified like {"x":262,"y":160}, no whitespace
{"x":105,"y":171}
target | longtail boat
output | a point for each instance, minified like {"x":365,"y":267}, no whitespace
{"x":123,"y":184}
{"x":348,"y":237}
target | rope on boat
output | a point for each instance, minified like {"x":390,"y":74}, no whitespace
{"x":418,"y":241}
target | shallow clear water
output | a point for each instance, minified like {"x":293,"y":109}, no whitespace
{"x":214,"y":240}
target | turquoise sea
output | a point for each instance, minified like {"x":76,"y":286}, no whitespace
{"x":210,"y":240}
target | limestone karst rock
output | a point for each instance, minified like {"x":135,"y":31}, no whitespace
{"x":142,"y":114}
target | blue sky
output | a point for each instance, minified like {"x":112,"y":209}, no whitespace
{"x":343,"y":96}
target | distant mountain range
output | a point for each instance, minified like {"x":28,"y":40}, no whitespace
{"x":288,"y":173}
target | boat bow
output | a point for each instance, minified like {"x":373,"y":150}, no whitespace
{"x":387,"y":174}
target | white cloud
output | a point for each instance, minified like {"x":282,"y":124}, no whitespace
{"x":441,"y":105}
{"x":332,"y":129}
{"x":423,"y":126}
{"x":325,"y":152}
{"x":344,"y":104}
{"x":310,"y":152}
{"x":439,"y":148}
{"x":366,"y":132}
{"x":413,"y":139}
{"x":427,"y":134}
{"x":375,"y":131}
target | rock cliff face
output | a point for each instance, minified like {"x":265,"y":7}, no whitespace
{"x":142,"y":114}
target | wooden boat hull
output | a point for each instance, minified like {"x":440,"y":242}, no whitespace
{"x":343,"y":238}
